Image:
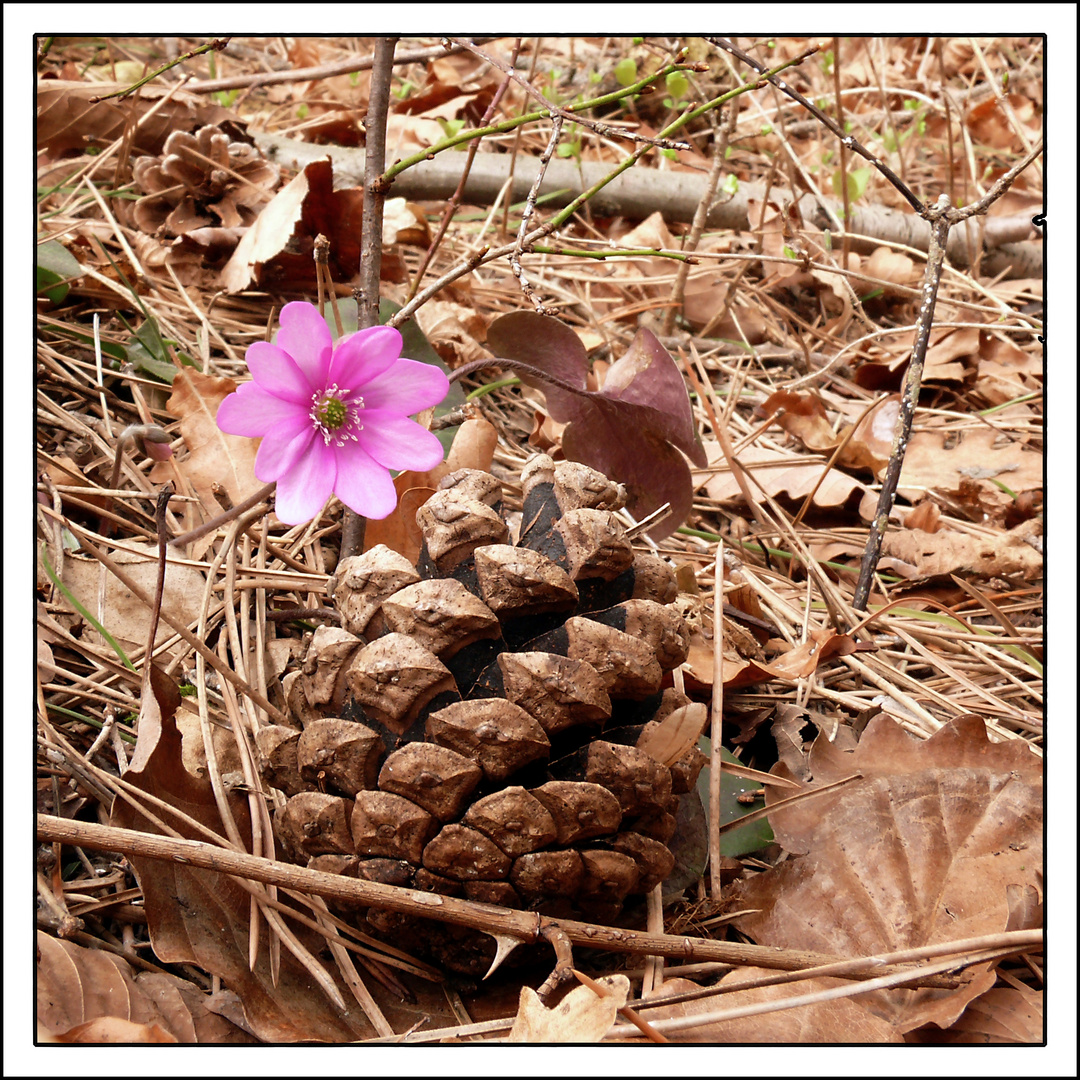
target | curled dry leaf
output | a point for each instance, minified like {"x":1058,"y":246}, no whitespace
{"x":921,"y":850}
{"x":744,"y":662}
{"x":804,"y":416}
{"x":277,"y":251}
{"x":632,"y":429}
{"x":919,"y":555}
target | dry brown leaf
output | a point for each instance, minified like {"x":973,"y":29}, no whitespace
{"x":215,"y":458}
{"x":453,"y":331}
{"x":939,"y":462}
{"x":1002,"y":1016}
{"x":888,"y":265}
{"x":68,"y":120}
{"x":945,"y":356}
{"x":920,"y":851}
{"x":925,"y":516}
{"x":801,"y":415}
{"x":915,"y":554}
{"x":582,"y":1016}
{"x":672,"y":737}
{"x":125,"y":616}
{"x":804,"y":659}
{"x":839,"y":1021}
{"x":78,"y":987}
{"x":111,"y":1029}
{"x":772,"y":470}
{"x":404,"y":223}
{"x":885,"y":749}
{"x":277,"y":252}
{"x":407,"y":134}
{"x":1006,"y":372}
{"x":743,"y":664}
{"x":989,"y":123}
{"x":946,"y":352}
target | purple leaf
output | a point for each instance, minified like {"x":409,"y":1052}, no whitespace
{"x":629,"y":429}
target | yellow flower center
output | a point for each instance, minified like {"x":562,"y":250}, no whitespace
{"x":336,"y":414}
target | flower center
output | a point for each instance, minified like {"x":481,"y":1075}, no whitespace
{"x":335,"y":413}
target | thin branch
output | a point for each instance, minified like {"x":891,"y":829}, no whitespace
{"x":322,"y":71}
{"x":526,"y":215}
{"x":211,"y":46}
{"x":455,"y":200}
{"x":367,"y":302}
{"x":722,"y":137}
{"x":574,"y":112}
{"x":846,"y":140}
{"x":488,"y":918}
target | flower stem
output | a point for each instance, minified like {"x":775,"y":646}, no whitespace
{"x":353,"y":525}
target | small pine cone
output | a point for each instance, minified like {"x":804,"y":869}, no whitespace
{"x":200,"y":180}
{"x":484,"y":709}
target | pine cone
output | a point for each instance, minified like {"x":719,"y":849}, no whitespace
{"x":473,"y":728}
{"x":200,"y":180}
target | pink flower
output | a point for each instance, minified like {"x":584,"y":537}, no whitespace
{"x":334,"y":418}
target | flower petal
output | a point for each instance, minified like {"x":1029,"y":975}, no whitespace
{"x":305,"y":336}
{"x":363,"y":356}
{"x":278,"y":373}
{"x":363,"y":484}
{"x":302,"y":492}
{"x":397,"y":442}
{"x":407,"y":387}
{"x":283,"y":448}
{"x":252,"y":411}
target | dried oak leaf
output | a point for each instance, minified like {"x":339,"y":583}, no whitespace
{"x":632,"y":429}
{"x":921,"y":850}
{"x":919,"y":555}
{"x":200,"y":917}
{"x":125,"y":616}
{"x":89,"y":995}
{"x":1002,"y":1016}
{"x":804,"y":416}
{"x":277,"y":251}
{"x":940,"y":462}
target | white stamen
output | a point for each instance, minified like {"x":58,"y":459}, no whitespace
{"x":352,"y":404}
